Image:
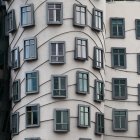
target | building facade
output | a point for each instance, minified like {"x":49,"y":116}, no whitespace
{"x":71,"y":74}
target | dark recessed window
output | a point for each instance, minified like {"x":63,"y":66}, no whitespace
{"x":83,"y":116}
{"x":82,"y":82}
{"x":32,"y":116}
{"x":32,"y":82}
{"x":138,"y":63}
{"x":118,"y":57}
{"x":139,"y":125}
{"x":59,"y":86}
{"x":54,"y":13}
{"x":117,"y":28}
{"x":99,"y":124}
{"x":16,"y":90}
{"x":79,"y":13}
{"x":137,"y":27}
{"x":119,"y":88}
{"x":81,"y":49}
{"x":30,"y":49}
{"x":57,"y":52}
{"x":15,"y":123}
{"x":120,"y":119}
{"x":139,"y":94}
{"x":27,"y":15}
{"x":33,"y":138}
{"x":99,"y":91}
{"x":97,"y":20}
{"x":61,"y":120}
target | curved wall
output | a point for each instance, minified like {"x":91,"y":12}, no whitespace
{"x":45,"y":33}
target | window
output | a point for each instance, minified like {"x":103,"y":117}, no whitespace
{"x":98,"y":58}
{"x":120,"y":119}
{"x":117,"y":28}
{"x":59,"y":86}
{"x":83,"y":116}
{"x":15,"y":123}
{"x":99,"y":90}
{"x":139,"y":125}
{"x":119,"y":88}
{"x":11,"y":21}
{"x":139,"y":94}
{"x":33,"y":138}
{"x":81,"y":49}
{"x":82,"y":82}
{"x":32,"y":116}
{"x":16,"y":90}
{"x":138,"y":63}
{"x":99,"y":124}
{"x":15,"y":58}
{"x":84,"y":139}
{"x":79,"y":13}
{"x":137,"y":24}
{"x":118,"y":57}
{"x":97,"y":20}
{"x":55,"y":13}
{"x":27,"y":15}
{"x":61,"y":120}
{"x":30,"y":49}
{"x":57,"y":52}
{"x":32,"y":82}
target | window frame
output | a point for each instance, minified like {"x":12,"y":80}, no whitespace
{"x":18,"y":94}
{"x":35,"y":47}
{"x":18,"y":58}
{"x":94,"y":20}
{"x":75,"y":18}
{"x":61,"y":14}
{"x":77,"y":82}
{"x":97,"y":125}
{"x":79,"y":115}
{"x":32,"y":16}
{"x":95,"y":90}
{"x":138,"y":63}
{"x":66,"y":83}
{"x":17,"y":115}
{"x":113,"y":89}
{"x":95,"y":58}
{"x":68,"y":120}
{"x":118,"y":54}
{"x":38,"y":115}
{"x":37,"y":76}
{"x":50,"y":52}
{"x":12,"y":20}
{"x":136,"y":28}
{"x":113,"y":120}
{"x":123,"y":27}
{"x":76,"y":49}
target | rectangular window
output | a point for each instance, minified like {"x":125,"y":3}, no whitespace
{"x":82,"y":82}
{"x":120,"y":119}
{"x":118,"y":57}
{"x":79,"y":13}
{"x":99,"y":124}
{"x":57,"y":52}
{"x":27,"y":15}
{"x":137,"y":27}
{"x":138,"y":63}
{"x":30,"y":49}
{"x":99,"y":90}
{"x":11,"y":21}
{"x":16,"y":90}
{"x":15,"y":58}
{"x":98,"y":58}
{"x":61,"y":120}
{"x":32,"y":82}
{"x":83,"y":116}
{"x":33,"y":138}
{"x":32,"y":116}
{"x":81,"y":49}
{"x":97,"y":20}
{"x":119,"y":88}
{"x":59,"y":86}
{"x":139,"y":94}
{"x":15,"y":123}
{"x":54,"y":13}
{"x":117,"y":28}
{"x":139,"y":125}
